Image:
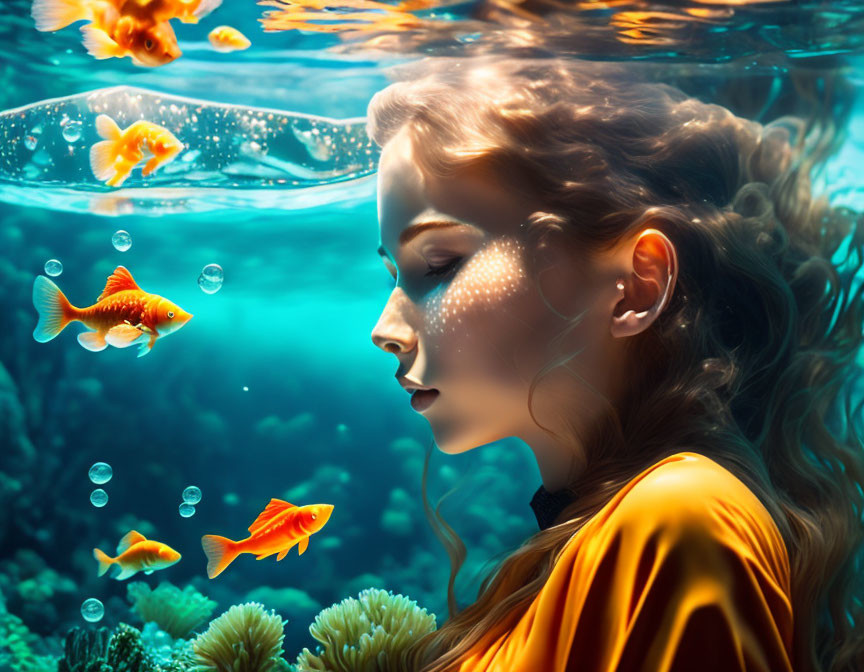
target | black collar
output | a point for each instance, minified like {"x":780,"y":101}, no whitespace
{"x":547,"y":505}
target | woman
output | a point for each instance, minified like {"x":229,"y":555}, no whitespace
{"x":640,"y":286}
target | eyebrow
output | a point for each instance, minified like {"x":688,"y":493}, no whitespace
{"x":412,"y":232}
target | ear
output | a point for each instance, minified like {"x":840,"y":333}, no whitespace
{"x":646,"y":290}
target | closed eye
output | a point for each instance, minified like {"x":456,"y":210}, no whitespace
{"x":444,"y":269}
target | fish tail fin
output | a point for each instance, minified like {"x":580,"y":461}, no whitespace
{"x":205,"y":7}
{"x":56,"y":14}
{"x":102,"y":157}
{"x":54,"y":309}
{"x":220,"y":553}
{"x":104,"y":561}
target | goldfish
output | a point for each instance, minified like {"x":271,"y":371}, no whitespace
{"x":140,"y":29}
{"x":276,"y":530}
{"x":123,"y":315}
{"x":226,"y":38}
{"x":135,"y":553}
{"x":113,"y":158}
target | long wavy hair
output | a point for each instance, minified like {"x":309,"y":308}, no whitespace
{"x":752,"y":364}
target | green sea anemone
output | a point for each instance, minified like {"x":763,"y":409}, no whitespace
{"x":104,"y":650}
{"x":244,"y":639}
{"x":368,"y":634}
{"x":177,"y":612}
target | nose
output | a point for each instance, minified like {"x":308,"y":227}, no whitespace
{"x":392,"y":333}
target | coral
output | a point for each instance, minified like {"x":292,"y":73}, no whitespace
{"x":18,"y":646}
{"x":243,"y":639}
{"x":86,"y":650}
{"x":102,"y":650}
{"x":369,"y":633}
{"x":177,"y":612}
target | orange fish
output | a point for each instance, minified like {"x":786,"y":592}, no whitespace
{"x":123,"y":315}
{"x":226,"y":38}
{"x":118,"y":28}
{"x":135,"y":553}
{"x":113,"y":158}
{"x":275,"y":530}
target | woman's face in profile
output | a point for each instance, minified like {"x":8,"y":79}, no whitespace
{"x":464,"y":317}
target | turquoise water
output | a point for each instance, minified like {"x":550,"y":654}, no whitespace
{"x":274,"y":389}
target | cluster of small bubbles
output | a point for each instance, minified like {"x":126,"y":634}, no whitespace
{"x":53,"y":267}
{"x":100,"y":473}
{"x":121,"y":240}
{"x":192,"y":495}
{"x":98,"y":498}
{"x":92,"y":610}
{"x":211,"y":278}
{"x":72,"y":131}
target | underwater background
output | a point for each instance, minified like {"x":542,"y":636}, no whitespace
{"x":274,"y":389}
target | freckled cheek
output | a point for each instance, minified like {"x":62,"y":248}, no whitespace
{"x":482,"y":293}
{"x":480,"y":328}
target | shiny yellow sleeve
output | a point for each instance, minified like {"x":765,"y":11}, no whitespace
{"x":683,"y":571}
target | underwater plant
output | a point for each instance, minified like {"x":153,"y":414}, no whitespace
{"x":177,"y":612}
{"x":17,"y":645}
{"x":369,"y":633}
{"x":244,"y":639}
{"x":102,"y":650}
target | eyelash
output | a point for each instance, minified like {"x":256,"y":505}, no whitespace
{"x":444,"y":269}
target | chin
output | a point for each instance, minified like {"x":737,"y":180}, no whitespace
{"x":454,"y":442}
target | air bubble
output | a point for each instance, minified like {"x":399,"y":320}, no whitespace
{"x":121,"y":240}
{"x":100,"y":473}
{"x":92,"y":610}
{"x":192,"y":495}
{"x":98,"y":498}
{"x":72,"y":131}
{"x":187,"y":510}
{"x":53,"y":268}
{"x":211,"y":278}
{"x":31,"y":141}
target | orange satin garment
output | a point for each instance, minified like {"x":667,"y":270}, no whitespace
{"x":683,"y":570}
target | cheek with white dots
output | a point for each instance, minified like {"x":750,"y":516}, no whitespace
{"x":488,"y":279}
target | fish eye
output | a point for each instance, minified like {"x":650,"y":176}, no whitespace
{"x":148,"y":44}
{"x":314,"y":516}
{"x":170,"y":314}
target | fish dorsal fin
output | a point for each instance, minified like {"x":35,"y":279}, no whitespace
{"x":273,"y":509}
{"x":132,"y":537}
{"x":121,"y":279}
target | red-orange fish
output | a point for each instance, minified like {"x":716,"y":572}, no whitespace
{"x":276,"y":530}
{"x":135,"y":554}
{"x":123,"y":315}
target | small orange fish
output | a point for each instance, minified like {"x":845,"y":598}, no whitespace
{"x":113,"y":158}
{"x":123,"y":315}
{"x":275,"y":530}
{"x":226,"y":38}
{"x":135,"y":553}
{"x":118,"y":28}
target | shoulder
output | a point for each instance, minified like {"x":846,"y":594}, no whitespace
{"x":690,"y":504}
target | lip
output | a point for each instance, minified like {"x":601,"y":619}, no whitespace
{"x":423,"y":399}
